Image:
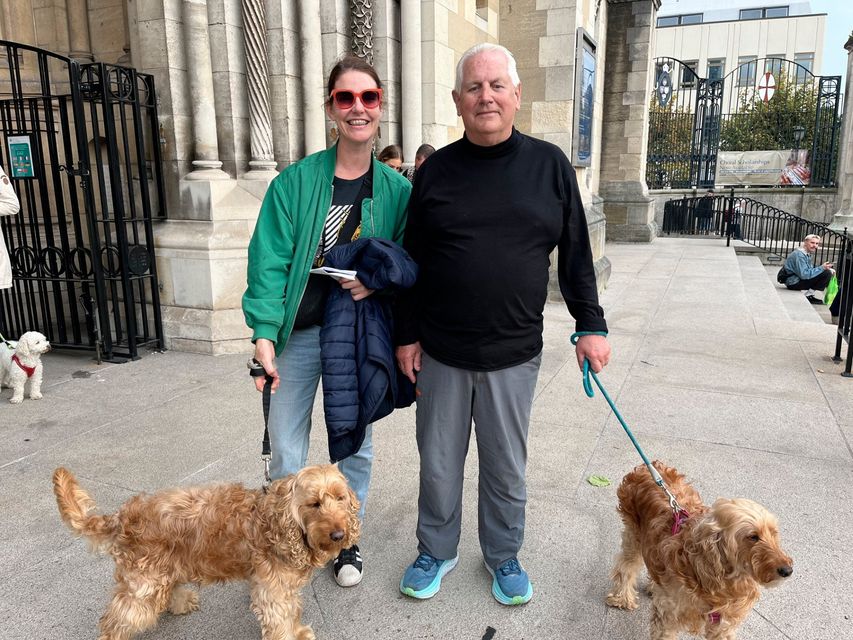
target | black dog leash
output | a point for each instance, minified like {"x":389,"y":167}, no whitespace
{"x":256,"y":370}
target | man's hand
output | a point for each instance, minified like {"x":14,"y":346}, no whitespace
{"x":828,"y":266}
{"x":357,"y":290}
{"x":409,"y":360}
{"x":596,"y":349}
{"x":265,"y":354}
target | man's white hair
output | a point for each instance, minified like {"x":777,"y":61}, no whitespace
{"x":811,"y":236}
{"x":477,"y":49}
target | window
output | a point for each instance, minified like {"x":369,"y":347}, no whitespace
{"x":482,"y":9}
{"x":746,"y":71}
{"x":750,"y":14}
{"x":688,"y":73}
{"x":804,"y":60}
{"x":773,"y":64}
{"x":766,"y":12}
{"x":693,"y":18}
{"x":716,"y":69}
{"x":668,"y":21}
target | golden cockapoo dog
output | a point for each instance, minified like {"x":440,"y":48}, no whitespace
{"x":21,"y":361}
{"x":705,"y":579}
{"x":213,"y":534}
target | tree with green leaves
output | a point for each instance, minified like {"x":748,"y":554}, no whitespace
{"x":759,"y":125}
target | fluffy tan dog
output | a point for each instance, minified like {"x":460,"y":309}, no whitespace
{"x":21,"y":361}
{"x":705,"y":579}
{"x":213,"y":534}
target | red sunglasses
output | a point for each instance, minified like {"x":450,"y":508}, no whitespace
{"x":345,"y":99}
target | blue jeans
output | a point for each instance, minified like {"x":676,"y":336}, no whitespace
{"x":290,"y":415}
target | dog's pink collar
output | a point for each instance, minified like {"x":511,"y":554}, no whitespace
{"x":680,"y":518}
{"x":28,"y":370}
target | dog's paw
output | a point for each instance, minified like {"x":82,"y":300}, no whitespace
{"x":305,"y":633}
{"x":183,"y":601}
{"x":16,"y":399}
{"x":36,"y":396}
{"x":622,"y":601}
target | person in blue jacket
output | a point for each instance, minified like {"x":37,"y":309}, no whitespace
{"x":805,"y":276}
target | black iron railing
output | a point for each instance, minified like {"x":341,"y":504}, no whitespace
{"x":845,"y":310}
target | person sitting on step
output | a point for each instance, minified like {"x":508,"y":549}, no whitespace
{"x":805,"y":276}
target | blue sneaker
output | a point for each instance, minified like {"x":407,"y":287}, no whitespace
{"x":423,"y":578}
{"x":510,"y":584}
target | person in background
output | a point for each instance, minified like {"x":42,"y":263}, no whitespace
{"x":9,"y":206}
{"x":329,"y":198}
{"x":804,"y":275}
{"x":424,"y":151}
{"x":705,"y":213}
{"x":392,"y":155}
{"x":486,"y":213}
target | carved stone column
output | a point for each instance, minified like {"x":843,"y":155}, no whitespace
{"x":410,"y":45}
{"x":630,"y":42}
{"x":206,"y":165}
{"x":262,"y":164}
{"x":844,"y":217}
{"x":361,"y":19}
{"x":313,"y":93}
{"x":79,"y":43}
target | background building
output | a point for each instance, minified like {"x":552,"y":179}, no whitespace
{"x":715,"y":38}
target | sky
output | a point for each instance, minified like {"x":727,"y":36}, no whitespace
{"x":839,"y":24}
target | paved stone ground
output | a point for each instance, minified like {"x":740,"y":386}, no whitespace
{"x":717,"y":370}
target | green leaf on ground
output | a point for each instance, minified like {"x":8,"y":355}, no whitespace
{"x":598,"y":481}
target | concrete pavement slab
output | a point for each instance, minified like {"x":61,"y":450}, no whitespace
{"x":742,"y":401}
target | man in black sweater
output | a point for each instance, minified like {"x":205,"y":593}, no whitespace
{"x":485,"y":214}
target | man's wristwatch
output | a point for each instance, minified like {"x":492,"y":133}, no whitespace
{"x":256,"y":369}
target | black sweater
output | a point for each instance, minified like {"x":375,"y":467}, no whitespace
{"x":482,"y":224}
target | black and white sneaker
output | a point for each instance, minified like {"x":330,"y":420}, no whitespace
{"x":348,"y":567}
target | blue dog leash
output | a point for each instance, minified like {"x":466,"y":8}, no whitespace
{"x":587,"y":387}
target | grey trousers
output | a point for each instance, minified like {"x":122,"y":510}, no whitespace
{"x":499,"y":402}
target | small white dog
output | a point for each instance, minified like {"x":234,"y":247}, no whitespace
{"x":20,"y":361}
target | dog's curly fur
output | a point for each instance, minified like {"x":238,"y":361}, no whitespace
{"x":29,"y":349}
{"x":218,"y":533}
{"x":705,"y":579}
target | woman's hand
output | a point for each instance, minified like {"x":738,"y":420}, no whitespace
{"x":357,"y":290}
{"x":265,"y":354}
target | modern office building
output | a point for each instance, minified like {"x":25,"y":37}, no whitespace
{"x":714,"y":39}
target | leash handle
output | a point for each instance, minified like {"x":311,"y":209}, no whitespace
{"x":256,"y":372}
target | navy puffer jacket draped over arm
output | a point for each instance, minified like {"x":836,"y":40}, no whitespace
{"x":361,"y":381}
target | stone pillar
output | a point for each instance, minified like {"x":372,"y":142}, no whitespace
{"x":79,"y":43}
{"x":844,"y":216}
{"x":630,"y":43}
{"x":206,"y":165}
{"x":313,"y":91}
{"x":361,"y":19}
{"x":262,"y":164}
{"x":411,"y":114}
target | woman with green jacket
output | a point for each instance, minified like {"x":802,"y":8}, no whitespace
{"x":331,"y":197}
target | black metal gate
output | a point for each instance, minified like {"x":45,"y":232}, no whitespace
{"x":81,"y":146}
{"x":762,"y":104}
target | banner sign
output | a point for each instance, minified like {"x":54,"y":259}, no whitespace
{"x":785,"y":168}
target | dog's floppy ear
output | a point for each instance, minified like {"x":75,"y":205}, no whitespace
{"x":704,"y":548}
{"x":353,"y":523}
{"x":286,"y":531}
{"x":23,"y":346}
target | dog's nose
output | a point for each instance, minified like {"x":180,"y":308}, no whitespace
{"x":785,"y":571}
{"x":337,"y":536}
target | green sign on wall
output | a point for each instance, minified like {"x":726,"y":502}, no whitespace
{"x":21,"y":155}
